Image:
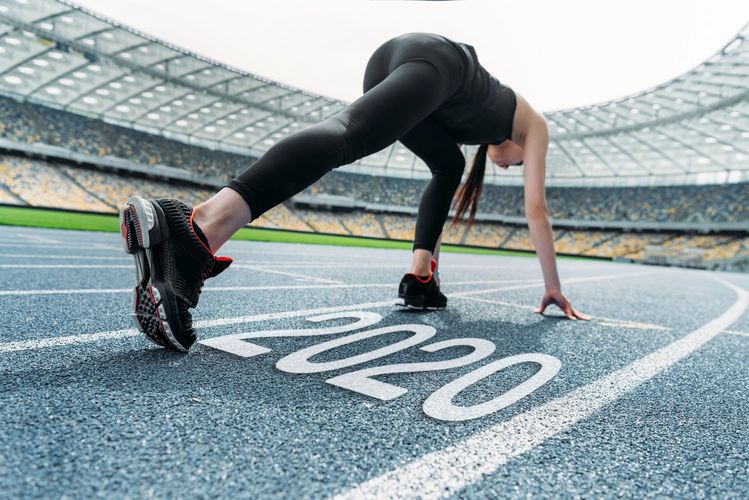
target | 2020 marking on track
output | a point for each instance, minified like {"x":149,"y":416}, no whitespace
{"x":438,"y":405}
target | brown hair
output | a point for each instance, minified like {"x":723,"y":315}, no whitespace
{"x":470,"y":192}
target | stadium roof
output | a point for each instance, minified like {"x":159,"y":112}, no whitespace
{"x":694,"y":128}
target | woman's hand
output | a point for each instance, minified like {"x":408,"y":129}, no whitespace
{"x":559,"y":300}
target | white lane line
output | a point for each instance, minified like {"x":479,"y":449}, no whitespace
{"x":567,"y":281}
{"x":83,"y":338}
{"x":65,"y":266}
{"x":266,"y":268}
{"x":53,"y":256}
{"x":65,"y":291}
{"x":285,"y":273}
{"x":264,"y":263}
{"x":40,"y":239}
{"x":94,"y":337}
{"x":270,"y":268}
{"x":242,"y":319}
{"x":270,"y":264}
{"x":445,"y":472}
{"x":292,"y":314}
{"x":301,"y":253}
{"x":623,"y":323}
{"x":64,"y":245}
{"x":489,"y":282}
{"x":7,"y":235}
{"x":105,"y":246}
{"x":25,"y":345}
{"x":24,"y":240}
{"x":84,"y":291}
{"x":317,"y":264}
{"x":734,"y":332}
{"x":602,"y":320}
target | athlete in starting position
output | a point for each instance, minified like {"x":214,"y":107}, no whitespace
{"x":425,"y":90}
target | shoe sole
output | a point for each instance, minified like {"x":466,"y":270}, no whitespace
{"x":421,"y":303}
{"x":154,"y":303}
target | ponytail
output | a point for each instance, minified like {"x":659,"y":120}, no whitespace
{"x":470,"y":192}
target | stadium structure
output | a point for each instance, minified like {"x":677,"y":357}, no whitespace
{"x":92,"y":111}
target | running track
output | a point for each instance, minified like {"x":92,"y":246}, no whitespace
{"x":649,"y":399}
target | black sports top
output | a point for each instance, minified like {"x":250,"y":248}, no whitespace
{"x":422,"y":89}
{"x":482,"y":110}
{"x":477,"y":108}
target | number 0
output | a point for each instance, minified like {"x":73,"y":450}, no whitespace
{"x":440,"y":405}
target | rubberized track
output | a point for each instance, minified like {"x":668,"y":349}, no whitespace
{"x":650,"y":399}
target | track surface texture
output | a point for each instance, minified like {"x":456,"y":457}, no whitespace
{"x":649,"y":399}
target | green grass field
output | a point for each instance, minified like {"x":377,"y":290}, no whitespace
{"x":56,"y":219}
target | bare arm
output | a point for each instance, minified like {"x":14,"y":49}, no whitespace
{"x":536,"y":210}
{"x":537,"y":213}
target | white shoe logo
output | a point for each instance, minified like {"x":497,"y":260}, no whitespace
{"x":149,"y":214}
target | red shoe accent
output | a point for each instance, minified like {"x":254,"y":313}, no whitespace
{"x":124,"y":232}
{"x":422,"y":280}
{"x":431,"y":273}
{"x":219,"y":265}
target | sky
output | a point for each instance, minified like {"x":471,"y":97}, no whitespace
{"x":558,"y":54}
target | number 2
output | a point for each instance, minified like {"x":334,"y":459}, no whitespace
{"x":235,"y":344}
{"x":360,"y":380}
{"x":298,"y":362}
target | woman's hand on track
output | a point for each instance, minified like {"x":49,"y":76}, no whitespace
{"x":562,"y":303}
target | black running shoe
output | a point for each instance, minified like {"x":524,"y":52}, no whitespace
{"x":172,"y":263}
{"x":422,"y":292}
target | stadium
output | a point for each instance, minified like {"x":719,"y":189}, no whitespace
{"x":649,"y":199}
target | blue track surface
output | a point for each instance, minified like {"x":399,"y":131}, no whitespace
{"x":650,"y":398}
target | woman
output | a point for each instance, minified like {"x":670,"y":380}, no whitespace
{"x":423,"y":89}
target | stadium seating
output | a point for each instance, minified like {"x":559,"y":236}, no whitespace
{"x":322,"y":221}
{"x":487,"y":235}
{"x":362,"y":224}
{"x":520,"y":239}
{"x":37,"y":182}
{"x":398,"y":227}
{"x":286,"y":218}
{"x":8,"y":198}
{"x":577,"y":242}
{"x":453,"y":235}
{"x":712,"y":203}
{"x":42,"y":185}
{"x":30,"y":123}
{"x":115,"y":189}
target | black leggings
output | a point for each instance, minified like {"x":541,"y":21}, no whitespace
{"x":401,"y":91}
